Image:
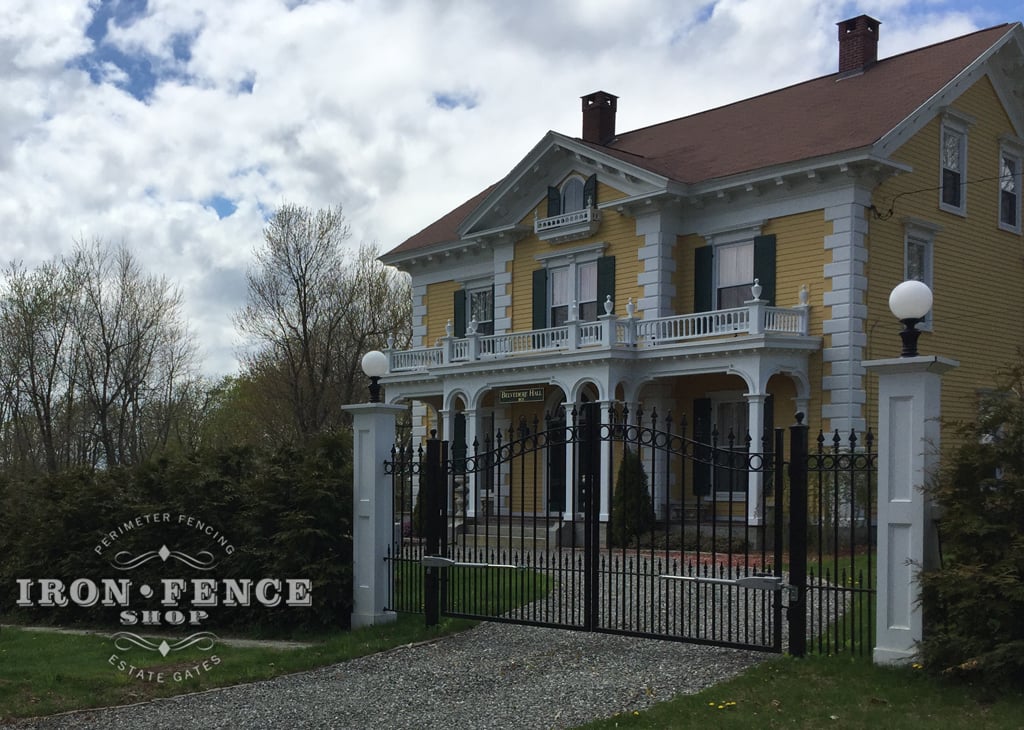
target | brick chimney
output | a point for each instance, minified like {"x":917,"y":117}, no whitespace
{"x":599,"y":117}
{"x":858,"y":43}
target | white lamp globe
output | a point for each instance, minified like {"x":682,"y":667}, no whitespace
{"x":910,"y":300}
{"x":375,"y":364}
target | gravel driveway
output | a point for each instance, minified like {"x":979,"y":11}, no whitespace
{"x":493,"y":676}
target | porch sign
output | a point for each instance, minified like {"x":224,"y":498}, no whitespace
{"x":520,"y":395}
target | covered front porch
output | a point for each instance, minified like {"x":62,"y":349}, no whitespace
{"x":722,"y":385}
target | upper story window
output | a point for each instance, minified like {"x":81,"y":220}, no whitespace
{"x":725,"y":270}
{"x":918,"y":254}
{"x":583,"y":279}
{"x":572,"y":195}
{"x":953,"y":163}
{"x":572,"y":211}
{"x":574,"y":283}
{"x":474,"y":302}
{"x":735,"y":269}
{"x":481,"y":309}
{"x":1009,"y":190}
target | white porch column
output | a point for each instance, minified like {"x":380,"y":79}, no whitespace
{"x":471,"y":437}
{"x":373,"y":435}
{"x":606,"y":460}
{"x":570,"y":464}
{"x":909,"y":395}
{"x":755,"y":479}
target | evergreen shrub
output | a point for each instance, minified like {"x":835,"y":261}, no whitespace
{"x":974,"y":604}
{"x":632,"y":513}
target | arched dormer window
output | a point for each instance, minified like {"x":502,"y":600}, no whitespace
{"x":575,"y":194}
{"x":572,"y":195}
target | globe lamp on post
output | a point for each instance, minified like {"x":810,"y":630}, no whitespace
{"x":910,"y":302}
{"x":375,"y":365}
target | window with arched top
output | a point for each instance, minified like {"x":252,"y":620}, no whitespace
{"x":575,"y":194}
{"x":572,"y":195}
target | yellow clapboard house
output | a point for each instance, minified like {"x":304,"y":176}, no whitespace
{"x":731,"y":267}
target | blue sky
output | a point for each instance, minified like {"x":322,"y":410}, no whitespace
{"x":176,"y":126}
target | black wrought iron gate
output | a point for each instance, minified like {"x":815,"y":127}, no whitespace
{"x":612,"y":522}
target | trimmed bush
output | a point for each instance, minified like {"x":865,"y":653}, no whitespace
{"x":632,"y":510}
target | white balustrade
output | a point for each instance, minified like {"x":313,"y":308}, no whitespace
{"x":757,"y":318}
{"x":414,"y":359}
{"x":586,"y":215}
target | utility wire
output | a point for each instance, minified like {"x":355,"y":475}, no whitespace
{"x":884,"y":216}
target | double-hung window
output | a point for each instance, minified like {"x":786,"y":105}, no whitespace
{"x":576,"y":283}
{"x":1009,"y":190}
{"x":481,"y":309}
{"x":735,"y":264}
{"x":474,"y":302}
{"x":918,"y":254}
{"x":725,"y":271}
{"x":953,"y":163}
{"x":583,"y":279}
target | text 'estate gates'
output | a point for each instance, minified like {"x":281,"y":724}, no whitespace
{"x":620,"y":523}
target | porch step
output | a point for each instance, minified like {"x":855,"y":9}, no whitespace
{"x":515,"y":535}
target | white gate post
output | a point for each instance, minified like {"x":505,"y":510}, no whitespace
{"x":909,"y":395}
{"x":373,"y":435}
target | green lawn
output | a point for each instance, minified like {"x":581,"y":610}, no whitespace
{"x":42,"y":673}
{"x":832,"y":692}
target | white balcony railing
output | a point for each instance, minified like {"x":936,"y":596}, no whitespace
{"x":568,"y":226}
{"x":756,"y":318}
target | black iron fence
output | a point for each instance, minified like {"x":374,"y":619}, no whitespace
{"x":715,"y":565}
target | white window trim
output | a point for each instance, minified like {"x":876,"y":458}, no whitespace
{"x":1013,"y":148}
{"x":961,"y":124}
{"x":924,"y":231}
{"x":477,"y":283}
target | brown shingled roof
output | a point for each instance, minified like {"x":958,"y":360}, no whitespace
{"x":824,"y":116}
{"x":812,"y":119}
{"x":444,"y":229}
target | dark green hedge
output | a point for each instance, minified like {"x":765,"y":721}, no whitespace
{"x":280,"y":514}
{"x":974,"y":605}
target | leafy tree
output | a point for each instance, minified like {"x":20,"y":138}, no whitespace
{"x":632,"y":510}
{"x":974,"y":604}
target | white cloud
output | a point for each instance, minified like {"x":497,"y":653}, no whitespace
{"x":337,"y":102}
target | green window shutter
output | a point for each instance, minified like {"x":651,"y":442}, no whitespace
{"x":590,"y":192}
{"x":702,"y":452}
{"x":605,"y":281}
{"x":459,"y":318}
{"x":540,"y":299}
{"x":764,"y":266}
{"x":554,"y":201}
{"x":703,"y":280}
